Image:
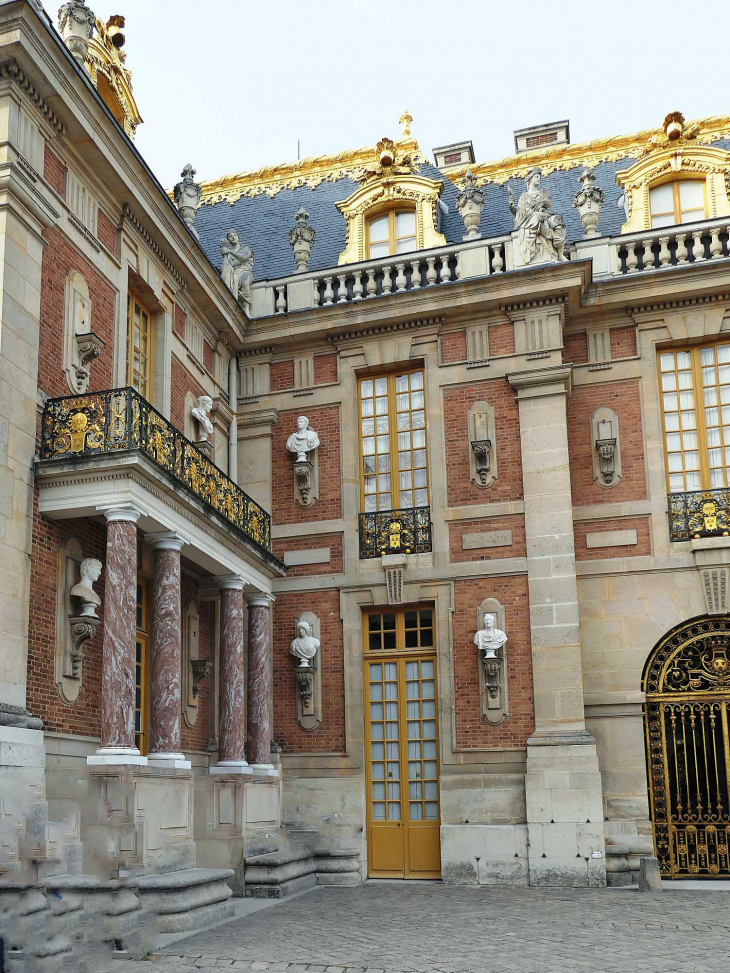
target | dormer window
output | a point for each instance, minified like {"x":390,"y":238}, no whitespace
{"x":392,"y":232}
{"x":680,"y":201}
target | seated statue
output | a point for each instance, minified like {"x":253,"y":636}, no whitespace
{"x":237,"y":267}
{"x":540,"y":232}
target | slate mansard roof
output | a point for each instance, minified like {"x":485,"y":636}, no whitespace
{"x":261,"y":206}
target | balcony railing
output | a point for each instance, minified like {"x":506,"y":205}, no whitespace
{"x":119,"y":420}
{"x":699,"y":513}
{"x":395,"y":532}
{"x":688,"y":243}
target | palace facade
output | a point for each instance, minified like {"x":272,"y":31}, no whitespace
{"x":361,"y":516}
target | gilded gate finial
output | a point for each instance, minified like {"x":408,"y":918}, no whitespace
{"x":405,"y":122}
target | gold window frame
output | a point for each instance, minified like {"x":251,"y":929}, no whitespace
{"x":393,"y":239}
{"x":676,"y":202}
{"x":145,"y":374}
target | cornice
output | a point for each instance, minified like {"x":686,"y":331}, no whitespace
{"x":12,"y":72}
{"x":560,"y":299}
{"x":536,"y":382}
{"x":640,"y":309}
{"x":369,"y":332}
{"x":128,"y":215}
{"x":311,"y":171}
{"x":589,"y":154}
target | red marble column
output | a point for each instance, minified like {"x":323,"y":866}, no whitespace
{"x":231,"y":752}
{"x":166,"y":654}
{"x":259,"y":681}
{"x":118,"y":658}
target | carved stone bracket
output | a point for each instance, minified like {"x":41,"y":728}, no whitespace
{"x":607,"y":456}
{"x":482,"y":449}
{"x":201,"y":668}
{"x":492,"y":675}
{"x":83,"y":628}
{"x":395,"y":569}
{"x":303,"y":476}
{"x":305,"y":682}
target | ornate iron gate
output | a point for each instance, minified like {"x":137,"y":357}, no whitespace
{"x":687,"y":686}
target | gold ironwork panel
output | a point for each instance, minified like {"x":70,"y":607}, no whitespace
{"x":699,"y":513}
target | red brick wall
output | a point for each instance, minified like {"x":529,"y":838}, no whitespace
{"x":311,"y":542}
{"x":43,"y":700}
{"x":457,"y":402}
{"x":453,"y":347}
{"x":575,"y":348}
{"x":282,"y":375}
{"x":457,"y":530}
{"x":639,"y":524}
{"x":106,"y":231}
{"x":623,"y":342}
{"x":196,"y":737}
{"x":208,"y":359}
{"x":472,"y":730}
{"x":285,"y":509}
{"x":329,"y":737}
{"x":59,"y":260}
{"x":501,"y":339}
{"x":178,"y":322}
{"x":325,"y":369}
{"x":54,"y":172}
{"x":625,"y":400}
{"x":181,"y":383}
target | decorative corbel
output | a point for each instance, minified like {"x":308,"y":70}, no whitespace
{"x":482,"y":455}
{"x":607,"y":457}
{"x":482,"y":449}
{"x":88,"y":347}
{"x":201,"y":668}
{"x":303,"y":474}
{"x":83,"y":628}
{"x":492,"y":646}
{"x":306,"y":651}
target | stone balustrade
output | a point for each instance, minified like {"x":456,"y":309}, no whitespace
{"x":349,"y":283}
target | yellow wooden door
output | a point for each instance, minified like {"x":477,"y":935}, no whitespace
{"x":402,"y":745}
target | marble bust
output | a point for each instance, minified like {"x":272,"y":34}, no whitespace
{"x":490,"y":638}
{"x":201,"y":412}
{"x":303,"y":440}
{"x":84,"y":590}
{"x":237,"y":267}
{"x":305,"y":646}
{"x":540,"y":231}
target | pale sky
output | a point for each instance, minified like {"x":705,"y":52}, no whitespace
{"x":230,"y":85}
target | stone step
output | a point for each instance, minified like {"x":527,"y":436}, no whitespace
{"x":187,"y":899}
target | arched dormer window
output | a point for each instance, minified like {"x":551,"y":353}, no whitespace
{"x":678,"y":201}
{"x":391,"y":232}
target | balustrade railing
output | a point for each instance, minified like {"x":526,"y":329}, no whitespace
{"x":699,"y":513}
{"x":688,"y":243}
{"x":118,"y":420}
{"x":405,"y":531}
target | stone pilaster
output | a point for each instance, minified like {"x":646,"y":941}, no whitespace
{"x":165,"y":676}
{"x":232,"y":747}
{"x":259,"y":683}
{"x":563,"y":782}
{"x":120,"y":625}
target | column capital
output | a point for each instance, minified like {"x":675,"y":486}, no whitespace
{"x":260,"y":598}
{"x":534,"y":383}
{"x":126,"y":512}
{"x":166,"y":540}
{"x":231,"y":581}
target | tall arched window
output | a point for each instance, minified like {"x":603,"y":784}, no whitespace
{"x":392,"y":232}
{"x":681,"y":201}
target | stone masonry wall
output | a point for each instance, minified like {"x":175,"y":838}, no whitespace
{"x":453,"y":347}
{"x":325,"y":369}
{"x":624,"y":398}
{"x":472,"y":730}
{"x":329,"y":737}
{"x":457,"y":402}
{"x":492,"y":525}
{"x":643,"y":538}
{"x":311,"y":542}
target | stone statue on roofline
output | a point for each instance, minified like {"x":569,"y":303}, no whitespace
{"x":237,"y":267}
{"x":540,"y":231}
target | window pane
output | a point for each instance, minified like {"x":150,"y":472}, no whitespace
{"x":379,"y":250}
{"x":657,"y":221}
{"x":379,"y":229}
{"x":662,"y":199}
{"x":406,"y":245}
{"x":405,"y":224}
{"x":692,"y":194}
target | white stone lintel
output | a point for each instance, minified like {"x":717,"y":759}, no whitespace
{"x":318,"y":555}
{"x":611,"y":538}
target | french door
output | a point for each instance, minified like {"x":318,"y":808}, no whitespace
{"x":402,"y":744}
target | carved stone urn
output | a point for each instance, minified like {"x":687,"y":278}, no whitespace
{"x":470,"y":203}
{"x":76,"y":24}
{"x":187,"y":195}
{"x":301,"y":238}
{"x":588,"y":202}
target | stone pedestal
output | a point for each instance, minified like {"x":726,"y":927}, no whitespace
{"x":120,"y":625}
{"x":563,"y":782}
{"x":232,"y":747}
{"x":259,"y":684}
{"x":166,"y":653}
{"x":23,"y":807}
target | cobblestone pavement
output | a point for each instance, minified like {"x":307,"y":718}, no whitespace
{"x":382,"y":928}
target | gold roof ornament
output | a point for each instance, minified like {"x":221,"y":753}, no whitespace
{"x":405,"y":122}
{"x":104,"y":61}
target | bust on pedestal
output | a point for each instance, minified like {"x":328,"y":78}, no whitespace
{"x":302,"y":443}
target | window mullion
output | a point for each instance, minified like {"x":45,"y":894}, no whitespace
{"x":700,"y":417}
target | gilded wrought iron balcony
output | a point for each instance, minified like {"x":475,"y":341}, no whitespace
{"x":119,"y":420}
{"x":395,"y":532}
{"x":699,"y":513}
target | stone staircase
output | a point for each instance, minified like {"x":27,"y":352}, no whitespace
{"x":288,"y":862}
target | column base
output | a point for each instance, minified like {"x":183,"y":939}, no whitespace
{"x":116,"y":756}
{"x":231,"y":767}
{"x":175,"y":760}
{"x":264,"y":770}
